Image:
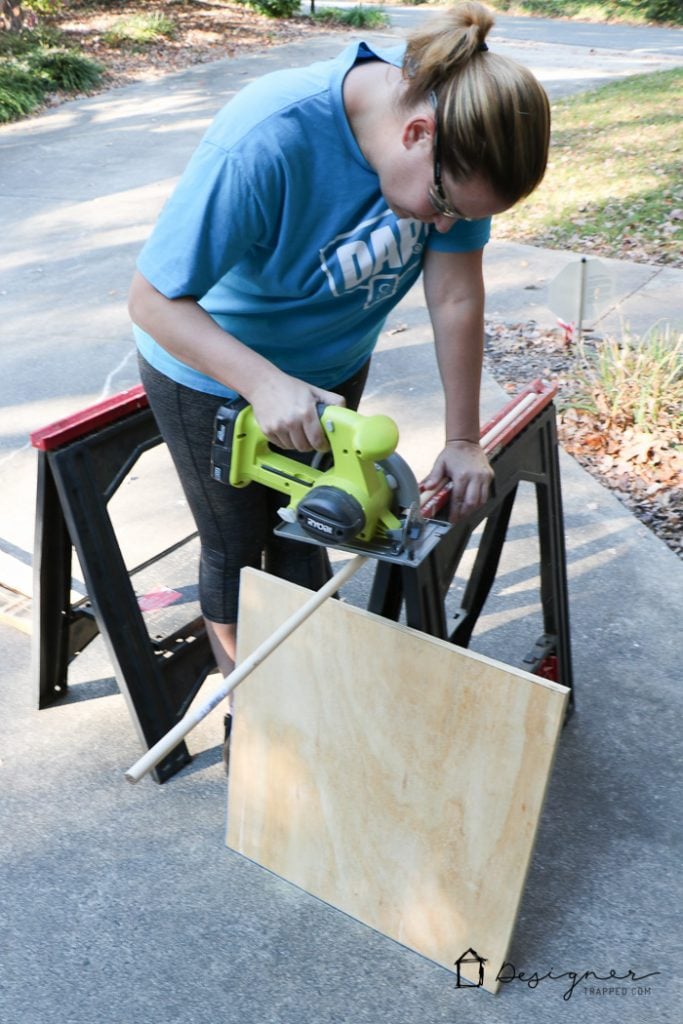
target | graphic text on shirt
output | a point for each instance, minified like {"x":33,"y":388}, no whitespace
{"x":375,"y":256}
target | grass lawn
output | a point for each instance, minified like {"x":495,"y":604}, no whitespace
{"x":614,"y":185}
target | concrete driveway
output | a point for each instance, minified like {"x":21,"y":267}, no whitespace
{"x":121,"y":903}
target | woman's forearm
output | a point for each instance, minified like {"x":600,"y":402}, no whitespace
{"x":187,"y":331}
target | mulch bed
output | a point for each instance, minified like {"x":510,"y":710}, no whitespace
{"x":205,"y":31}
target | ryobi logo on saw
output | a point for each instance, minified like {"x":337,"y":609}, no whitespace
{"x":375,"y":256}
{"x":315,"y":524}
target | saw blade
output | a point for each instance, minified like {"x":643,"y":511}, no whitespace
{"x":401,"y":479}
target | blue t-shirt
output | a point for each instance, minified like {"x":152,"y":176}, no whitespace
{"x":279,"y":229}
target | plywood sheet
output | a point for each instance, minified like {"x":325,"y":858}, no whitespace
{"x":393,"y":775}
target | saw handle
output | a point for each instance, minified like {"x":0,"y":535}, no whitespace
{"x":368,"y":438}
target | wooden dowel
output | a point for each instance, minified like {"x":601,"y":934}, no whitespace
{"x":230,"y":682}
{"x":488,"y":439}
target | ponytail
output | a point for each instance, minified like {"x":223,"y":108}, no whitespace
{"x":437,"y":52}
{"x":493,"y":115}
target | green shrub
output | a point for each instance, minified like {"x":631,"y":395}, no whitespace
{"x":66,"y":70}
{"x":660,"y":10}
{"x":21,"y":92}
{"x":42,"y":6}
{"x":17,"y":44}
{"x":140,"y":30}
{"x":276,"y":8}
{"x":32,"y":66}
{"x":356,"y":17}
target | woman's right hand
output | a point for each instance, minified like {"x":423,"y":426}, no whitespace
{"x":286,"y":411}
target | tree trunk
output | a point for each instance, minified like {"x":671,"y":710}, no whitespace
{"x":11,"y":15}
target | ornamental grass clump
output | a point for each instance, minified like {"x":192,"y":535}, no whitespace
{"x":140,"y":30}
{"x":21,"y":92}
{"x":66,"y":70}
{"x":35,"y":62}
{"x":624,"y":421}
{"x":634,"y":381}
{"x":355,"y":17}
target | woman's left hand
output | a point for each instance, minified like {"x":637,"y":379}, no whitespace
{"x":465,"y":464}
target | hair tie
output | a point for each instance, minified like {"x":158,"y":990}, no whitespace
{"x":482,"y":47}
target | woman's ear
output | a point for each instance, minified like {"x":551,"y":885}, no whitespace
{"x":418,"y":129}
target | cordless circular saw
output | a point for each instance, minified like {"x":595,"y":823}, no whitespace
{"x":361,"y":496}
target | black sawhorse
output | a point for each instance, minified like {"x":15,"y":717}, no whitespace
{"x":81,"y":462}
{"x":521,"y":442}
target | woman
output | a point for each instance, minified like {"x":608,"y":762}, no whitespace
{"x":309,"y":209}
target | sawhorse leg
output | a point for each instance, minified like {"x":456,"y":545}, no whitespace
{"x":484,"y":570}
{"x":553,"y":569}
{"x":82,"y":462}
{"x":59,"y":630}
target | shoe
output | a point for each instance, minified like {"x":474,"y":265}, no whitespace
{"x":227,"y":726}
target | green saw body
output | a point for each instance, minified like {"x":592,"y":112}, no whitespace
{"x":357,"y":444}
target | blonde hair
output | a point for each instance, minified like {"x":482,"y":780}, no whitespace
{"x":493,"y":114}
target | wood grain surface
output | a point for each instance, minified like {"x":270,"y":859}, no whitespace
{"x":392,"y":775}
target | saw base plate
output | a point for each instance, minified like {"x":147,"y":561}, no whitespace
{"x":383,"y":550}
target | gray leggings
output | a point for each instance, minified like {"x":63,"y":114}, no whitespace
{"x":235,"y":524}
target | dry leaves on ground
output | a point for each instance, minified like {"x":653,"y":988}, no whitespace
{"x":206,"y":30}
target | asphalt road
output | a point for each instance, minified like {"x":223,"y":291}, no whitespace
{"x":635,"y":39}
{"x":632,"y":38}
{"x":566,"y":56}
